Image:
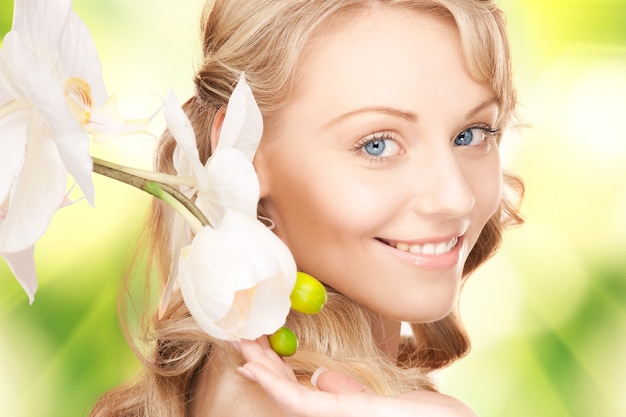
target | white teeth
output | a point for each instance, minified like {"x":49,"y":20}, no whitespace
{"x":442,"y":248}
{"x":417,"y":249}
{"x":428,"y":248}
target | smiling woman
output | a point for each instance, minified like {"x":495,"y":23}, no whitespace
{"x":546,"y":316}
{"x":378,"y":168}
{"x":356,"y":142}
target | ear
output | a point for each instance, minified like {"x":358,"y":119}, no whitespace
{"x":216,"y":127}
{"x":259,"y":166}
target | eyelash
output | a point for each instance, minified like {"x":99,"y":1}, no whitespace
{"x":379,"y":136}
{"x":490,"y":132}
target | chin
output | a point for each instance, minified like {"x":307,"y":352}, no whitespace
{"x":431,"y":314}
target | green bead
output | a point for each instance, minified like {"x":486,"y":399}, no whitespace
{"x":308,"y":295}
{"x":284,"y":342}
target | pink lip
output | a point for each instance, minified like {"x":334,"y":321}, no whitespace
{"x":430,"y":262}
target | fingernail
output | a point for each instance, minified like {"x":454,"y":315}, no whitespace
{"x":316,"y":375}
{"x":244,"y":372}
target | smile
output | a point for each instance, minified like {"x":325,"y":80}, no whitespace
{"x":429,"y":248}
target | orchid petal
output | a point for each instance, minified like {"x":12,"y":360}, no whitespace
{"x":25,"y":221}
{"x":5,"y":97}
{"x":234,"y":185}
{"x":241,"y":255}
{"x":187,"y":150}
{"x":270,"y":297}
{"x":106,"y":123}
{"x":37,"y":81}
{"x":22,"y":264}
{"x":243,"y":123}
{"x":52,"y":31}
{"x":12,"y":148}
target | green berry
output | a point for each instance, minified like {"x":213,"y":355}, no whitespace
{"x":308,"y":295}
{"x":284,"y":342}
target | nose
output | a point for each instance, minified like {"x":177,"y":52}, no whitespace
{"x":442,"y":186}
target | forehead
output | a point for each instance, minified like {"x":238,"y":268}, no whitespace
{"x":388,"y":57}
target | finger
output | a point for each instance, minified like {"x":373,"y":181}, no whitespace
{"x":259,"y":351}
{"x":264,"y":341}
{"x":336,"y":382}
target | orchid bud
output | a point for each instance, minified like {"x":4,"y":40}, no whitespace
{"x":284,"y":342}
{"x":308,"y":295}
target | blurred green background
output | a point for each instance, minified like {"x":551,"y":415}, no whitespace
{"x":547,"y":316}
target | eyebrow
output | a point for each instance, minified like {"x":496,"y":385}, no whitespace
{"x":411,"y":117}
{"x":406,"y":115}
{"x":473,"y":112}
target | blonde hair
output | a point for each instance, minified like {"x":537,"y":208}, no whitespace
{"x":266,"y":39}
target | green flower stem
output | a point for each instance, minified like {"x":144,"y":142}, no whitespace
{"x":164,"y":192}
{"x":148,"y":175}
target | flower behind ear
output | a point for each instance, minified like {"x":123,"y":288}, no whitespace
{"x":236,"y":275}
{"x":236,"y":279}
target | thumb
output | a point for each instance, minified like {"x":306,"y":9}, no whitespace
{"x":336,"y":382}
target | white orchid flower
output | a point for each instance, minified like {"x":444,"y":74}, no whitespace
{"x":236,"y":280}
{"x":236,"y":276}
{"x":51,"y":96}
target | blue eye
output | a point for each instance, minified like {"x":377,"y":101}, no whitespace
{"x":375,"y":147}
{"x":378,"y":146}
{"x":464,"y":138}
{"x":474,"y":136}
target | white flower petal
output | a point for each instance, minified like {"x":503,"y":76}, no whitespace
{"x":10,"y":95}
{"x":5,"y":97}
{"x":259,"y":246}
{"x":37,"y":81}
{"x":52,"y":31}
{"x":22,"y":264}
{"x":38,"y":191}
{"x":268,"y":310}
{"x":233,"y":185}
{"x":243,"y":123}
{"x":241,"y":255}
{"x":207,"y":295}
{"x":106,"y":123}
{"x":180,"y":127}
{"x":12,"y":148}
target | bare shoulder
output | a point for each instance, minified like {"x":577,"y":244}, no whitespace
{"x":221,"y":391}
{"x":440,"y":404}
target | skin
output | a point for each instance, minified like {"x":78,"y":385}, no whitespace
{"x":341,"y":206}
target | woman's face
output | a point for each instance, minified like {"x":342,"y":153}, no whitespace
{"x":382,"y":169}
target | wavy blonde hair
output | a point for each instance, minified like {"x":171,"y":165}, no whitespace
{"x":266,"y":39}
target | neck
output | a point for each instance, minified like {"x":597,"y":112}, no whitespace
{"x":386,"y":334}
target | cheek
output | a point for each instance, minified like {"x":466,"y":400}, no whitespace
{"x":486,"y":183}
{"x":325,"y":196}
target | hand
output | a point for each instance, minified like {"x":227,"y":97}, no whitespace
{"x":337,"y":394}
